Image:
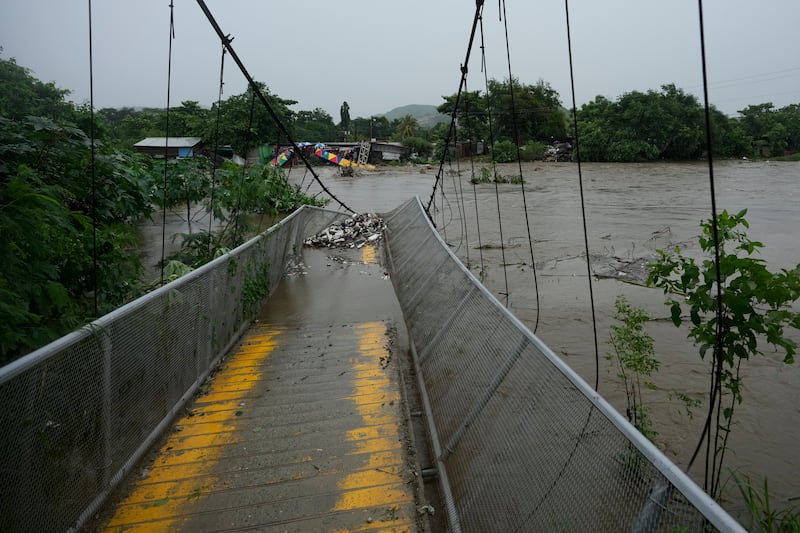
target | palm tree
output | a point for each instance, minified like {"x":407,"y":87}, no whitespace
{"x":407,"y":127}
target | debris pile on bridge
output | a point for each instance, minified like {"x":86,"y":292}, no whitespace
{"x":353,"y":232}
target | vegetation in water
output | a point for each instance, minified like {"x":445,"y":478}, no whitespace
{"x":258,"y":190}
{"x":634,"y":354}
{"x":753,"y":308}
{"x":764,"y":518}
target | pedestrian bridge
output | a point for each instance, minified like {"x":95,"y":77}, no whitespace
{"x":230,"y":400}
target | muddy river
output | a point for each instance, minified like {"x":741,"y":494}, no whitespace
{"x":631,"y":211}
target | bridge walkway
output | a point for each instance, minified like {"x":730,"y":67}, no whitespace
{"x":301,"y":428}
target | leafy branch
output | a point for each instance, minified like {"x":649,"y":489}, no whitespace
{"x":754,"y":308}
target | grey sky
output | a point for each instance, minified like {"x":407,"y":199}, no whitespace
{"x":379,"y":55}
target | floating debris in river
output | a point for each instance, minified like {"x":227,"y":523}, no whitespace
{"x":353,"y":232}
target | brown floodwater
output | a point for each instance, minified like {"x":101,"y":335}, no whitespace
{"x":631,"y":211}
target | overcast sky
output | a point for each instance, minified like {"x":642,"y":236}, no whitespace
{"x":378,"y":55}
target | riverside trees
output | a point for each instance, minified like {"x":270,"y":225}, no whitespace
{"x":68,"y":241}
{"x":664,"y":124}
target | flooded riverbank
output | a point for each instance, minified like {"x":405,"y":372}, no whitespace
{"x":631,"y":211}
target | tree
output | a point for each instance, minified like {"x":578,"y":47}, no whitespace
{"x":762,"y":124}
{"x":374,"y":127}
{"x":260,"y":190}
{"x":344,"y":115}
{"x":188,"y":120}
{"x":50,"y":219}
{"x":314,"y":126}
{"x":418,"y":146}
{"x":47,"y":222}
{"x":729,"y":136}
{"x":665,"y":124}
{"x":407,"y":127}
{"x":634,"y":353}
{"x":237,"y":129}
{"x":731,"y":315}
{"x":471,"y":116}
{"x":535,"y":108}
{"x":21,"y":94}
{"x":789,"y":117}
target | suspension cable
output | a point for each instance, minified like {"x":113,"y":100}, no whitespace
{"x":473,"y":180}
{"x":462,"y":211}
{"x":494,"y":165}
{"x":464,"y":69}
{"x":93,"y":153}
{"x":717,"y":355}
{"x":226,"y":40}
{"x":166,"y":139}
{"x":215,"y":154}
{"x":583,"y":203}
{"x":519,"y":164}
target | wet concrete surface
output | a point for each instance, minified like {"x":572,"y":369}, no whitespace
{"x":303,"y":427}
{"x":632,"y":210}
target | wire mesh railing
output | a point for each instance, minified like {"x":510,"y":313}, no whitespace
{"x":78,"y":413}
{"x":521,"y":442}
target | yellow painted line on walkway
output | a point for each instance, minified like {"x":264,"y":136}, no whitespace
{"x":164,"y":501}
{"x":374,"y":488}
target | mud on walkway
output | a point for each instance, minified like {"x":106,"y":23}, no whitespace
{"x":302,"y":428}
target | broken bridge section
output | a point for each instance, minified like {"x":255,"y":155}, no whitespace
{"x":520,"y":441}
{"x":302,"y":427}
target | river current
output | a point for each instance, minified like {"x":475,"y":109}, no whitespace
{"x":631,"y":210}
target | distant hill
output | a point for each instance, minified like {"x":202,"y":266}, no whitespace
{"x":426,"y":115}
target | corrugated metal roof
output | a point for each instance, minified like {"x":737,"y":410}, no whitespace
{"x":174,"y":142}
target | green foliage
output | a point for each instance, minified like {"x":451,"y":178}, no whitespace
{"x":536,"y":109}
{"x":490,"y":175}
{"x":533,"y":151}
{"x":504,"y":152}
{"x":344,"y":116}
{"x":46,"y":236}
{"x":57,"y":216}
{"x":234,"y":124}
{"x":377,"y":127}
{"x":419,"y":146}
{"x":485,"y":176}
{"x":23,"y":95}
{"x":188,"y":183}
{"x":635,"y":356}
{"x":670,"y":124}
{"x":314,"y":126}
{"x":407,"y":127}
{"x":471,"y":115}
{"x":260,"y":190}
{"x":667,"y":124}
{"x":763,"y":516}
{"x":754,"y":309}
{"x":255,"y":288}
{"x":175,"y":269}
{"x":771,"y":131}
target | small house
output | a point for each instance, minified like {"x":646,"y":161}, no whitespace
{"x":174,"y":147}
{"x":386,"y":151}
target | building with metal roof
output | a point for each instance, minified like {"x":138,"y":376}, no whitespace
{"x":173,"y":147}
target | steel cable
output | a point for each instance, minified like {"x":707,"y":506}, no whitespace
{"x":166,"y":139}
